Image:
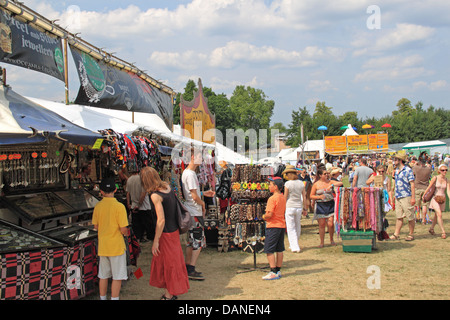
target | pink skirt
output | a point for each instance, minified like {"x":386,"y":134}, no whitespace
{"x":168,"y":269}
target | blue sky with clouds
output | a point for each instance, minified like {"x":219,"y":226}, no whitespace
{"x":297,"y":52}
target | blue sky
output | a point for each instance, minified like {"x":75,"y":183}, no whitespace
{"x":297,"y":52}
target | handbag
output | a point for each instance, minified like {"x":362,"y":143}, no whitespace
{"x":183,"y":216}
{"x":430,"y":193}
{"x":439,"y":199}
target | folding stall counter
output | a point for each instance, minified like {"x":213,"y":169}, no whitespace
{"x":46,"y":251}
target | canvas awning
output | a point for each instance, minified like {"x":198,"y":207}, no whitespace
{"x":23,"y":121}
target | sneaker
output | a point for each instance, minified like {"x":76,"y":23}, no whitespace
{"x":194,"y":275}
{"x":279,"y":274}
{"x":271,"y":276}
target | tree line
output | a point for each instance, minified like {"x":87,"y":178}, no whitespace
{"x":250,"y":108}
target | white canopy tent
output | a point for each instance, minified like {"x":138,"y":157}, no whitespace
{"x":431,"y":147}
{"x":269,"y":160}
{"x":121,"y":121}
{"x":424,"y":145}
{"x":350,"y":131}
{"x":288,"y":155}
{"x":222,"y":152}
{"x":313,"y":145}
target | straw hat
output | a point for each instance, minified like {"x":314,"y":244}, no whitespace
{"x":289,"y":169}
{"x":335,"y":170}
{"x":400,"y":155}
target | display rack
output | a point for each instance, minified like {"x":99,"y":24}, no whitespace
{"x":359,"y":212}
{"x":250,"y":192}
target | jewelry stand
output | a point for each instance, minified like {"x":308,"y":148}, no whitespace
{"x":254,"y":268}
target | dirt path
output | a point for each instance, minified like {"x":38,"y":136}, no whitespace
{"x":408,"y":270}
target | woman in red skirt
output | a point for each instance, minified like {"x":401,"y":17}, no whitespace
{"x":168,"y":269}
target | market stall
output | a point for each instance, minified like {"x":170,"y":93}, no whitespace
{"x":359,"y":217}
{"x":45,"y":252}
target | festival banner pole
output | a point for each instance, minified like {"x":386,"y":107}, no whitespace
{"x":66,"y":71}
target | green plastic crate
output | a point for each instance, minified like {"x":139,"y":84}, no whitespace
{"x":357,"y":241}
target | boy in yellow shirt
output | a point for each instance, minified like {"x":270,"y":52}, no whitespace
{"x":275,"y":228}
{"x":110,"y":220}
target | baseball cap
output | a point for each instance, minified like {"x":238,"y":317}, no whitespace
{"x":278,"y":182}
{"x":108,"y":185}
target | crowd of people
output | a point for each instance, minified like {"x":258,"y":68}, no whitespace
{"x":407,"y":179}
{"x":301,"y":190}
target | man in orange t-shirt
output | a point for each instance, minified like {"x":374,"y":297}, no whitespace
{"x":275,"y":228}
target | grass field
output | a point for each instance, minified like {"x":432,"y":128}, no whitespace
{"x":408,"y":270}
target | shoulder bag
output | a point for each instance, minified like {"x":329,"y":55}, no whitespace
{"x":430,"y":193}
{"x":183,"y":216}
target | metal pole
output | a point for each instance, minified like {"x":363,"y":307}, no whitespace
{"x":66,"y":71}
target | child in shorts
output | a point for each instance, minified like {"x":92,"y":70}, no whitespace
{"x":275,"y":228}
{"x":110,"y":220}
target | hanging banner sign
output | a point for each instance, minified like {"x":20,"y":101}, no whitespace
{"x":357,"y":143}
{"x":105,"y":86}
{"x":25,"y":46}
{"x":336,"y":145}
{"x":378,"y":142}
{"x":196,"y":119}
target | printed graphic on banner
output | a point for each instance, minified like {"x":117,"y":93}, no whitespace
{"x":378,"y":142}
{"x":336,"y":145}
{"x":357,"y":143}
{"x":105,"y":86}
{"x":25,"y":46}
{"x":196,"y":119}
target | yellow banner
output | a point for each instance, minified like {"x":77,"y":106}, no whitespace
{"x":378,"y":142}
{"x":340,"y":145}
{"x":357,"y":143}
{"x":336,"y":145}
{"x":196,"y":119}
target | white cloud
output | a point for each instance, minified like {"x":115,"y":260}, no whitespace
{"x":439,"y":85}
{"x":404,"y":33}
{"x":392,"y":74}
{"x":185,"y":60}
{"x":391,"y":68}
{"x":394,"y":61}
{"x":321,"y":85}
{"x":219,"y":84}
{"x":237,"y":52}
{"x":386,"y":40}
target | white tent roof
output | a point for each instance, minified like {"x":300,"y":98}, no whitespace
{"x":289,"y":154}
{"x":121,"y":121}
{"x":225,"y":154}
{"x":424,"y":144}
{"x":222,"y":153}
{"x":350,"y":131}
{"x":269,"y":160}
{"x":313,"y":145}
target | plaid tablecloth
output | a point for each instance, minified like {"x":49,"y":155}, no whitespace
{"x":66,"y":273}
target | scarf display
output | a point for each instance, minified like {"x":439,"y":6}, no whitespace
{"x":360,"y":209}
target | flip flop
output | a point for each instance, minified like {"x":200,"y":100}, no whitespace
{"x":409,"y":238}
{"x":431,"y":231}
{"x":394,"y":237}
{"x":444,"y":236}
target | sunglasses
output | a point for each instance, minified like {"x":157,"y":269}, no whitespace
{"x":381,"y":171}
{"x":444,"y":170}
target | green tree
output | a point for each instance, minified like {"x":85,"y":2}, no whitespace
{"x":302,"y":116}
{"x":251,"y":109}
